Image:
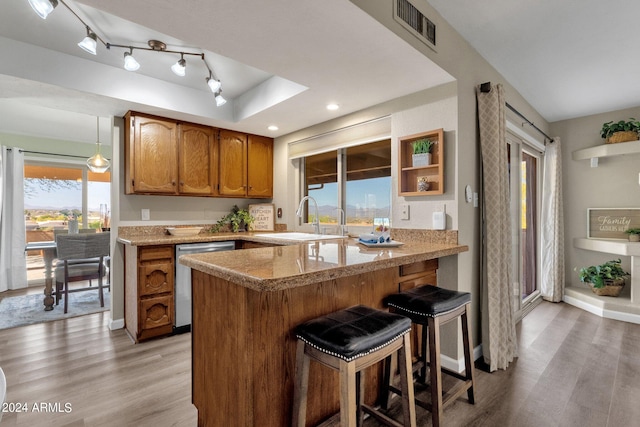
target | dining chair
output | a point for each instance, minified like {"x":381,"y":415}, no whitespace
{"x":59,"y":231}
{"x":81,"y":257}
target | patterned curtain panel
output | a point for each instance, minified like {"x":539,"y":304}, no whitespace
{"x":499,"y":345}
{"x":552,"y":272}
{"x":13,"y":262}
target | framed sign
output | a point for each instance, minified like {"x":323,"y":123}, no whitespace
{"x":611,"y":223}
{"x":264,"y":215}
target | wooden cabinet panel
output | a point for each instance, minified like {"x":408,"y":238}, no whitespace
{"x":260,"y":167}
{"x":149,"y":291}
{"x":156,"y":312}
{"x":152,"y":155}
{"x":233,"y":163}
{"x":198,"y":160}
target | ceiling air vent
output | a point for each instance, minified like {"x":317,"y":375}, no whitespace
{"x":414,"y":21}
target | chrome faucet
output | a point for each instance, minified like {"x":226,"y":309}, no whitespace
{"x":316,"y":221}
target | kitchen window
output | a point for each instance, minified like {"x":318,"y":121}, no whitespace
{"x":353,"y":181}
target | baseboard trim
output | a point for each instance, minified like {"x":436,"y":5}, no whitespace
{"x":116,"y":324}
{"x":457,"y":365}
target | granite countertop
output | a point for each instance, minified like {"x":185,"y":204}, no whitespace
{"x":167,"y":239}
{"x":303,"y":263}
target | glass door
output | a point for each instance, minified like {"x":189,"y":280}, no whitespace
{"x":525,"y":175}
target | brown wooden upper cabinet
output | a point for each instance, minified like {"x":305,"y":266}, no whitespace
{"x":168,"y":157}
{"x":246,"y":165}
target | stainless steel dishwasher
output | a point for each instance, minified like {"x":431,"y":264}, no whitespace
{"x":183,"y":279}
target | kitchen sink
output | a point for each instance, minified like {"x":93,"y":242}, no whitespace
{"x":300,"y":236}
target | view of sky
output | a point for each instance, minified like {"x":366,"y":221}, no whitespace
{"x":39,"y":197}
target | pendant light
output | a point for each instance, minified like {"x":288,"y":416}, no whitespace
{"x":220,"y":101}
{"x":97,"y":163}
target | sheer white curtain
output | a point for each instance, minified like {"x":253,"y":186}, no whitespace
{"x":552,"y":272}
{"x":13,"y":265}
{"x":499,"y":344}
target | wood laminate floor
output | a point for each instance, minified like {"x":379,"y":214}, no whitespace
{"x":574,"y":369}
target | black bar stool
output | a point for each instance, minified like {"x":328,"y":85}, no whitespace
{"x":431,"y":306}
{"x":349,"y":341}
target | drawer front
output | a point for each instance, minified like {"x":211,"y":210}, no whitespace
{"x":147,"y":253}
{"x":156,"y":312}
{"x":155,"y":278}
{"x":419,"y":267}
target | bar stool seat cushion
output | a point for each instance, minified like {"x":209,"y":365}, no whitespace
{"x":353,"y":332}
{"x":427,"y":301}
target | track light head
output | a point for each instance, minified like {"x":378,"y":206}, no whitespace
{"x":130,"y":63}
{"x":180,"y":67}
{"x":214,"y":84}
{"x":220,"y":101}
{"x":43,"y":7}
{"x":90,"y":42}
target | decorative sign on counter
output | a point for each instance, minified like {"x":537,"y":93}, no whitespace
{"x":611,"y":223}
{"x":264,"y":215}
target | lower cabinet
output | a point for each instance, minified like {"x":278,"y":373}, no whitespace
{"x":149,"y":291}
{"x":418,"y":274}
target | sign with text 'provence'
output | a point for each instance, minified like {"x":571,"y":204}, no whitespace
{"x":611,"y":223}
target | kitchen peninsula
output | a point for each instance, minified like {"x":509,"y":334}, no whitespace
{"x":246,"y":304}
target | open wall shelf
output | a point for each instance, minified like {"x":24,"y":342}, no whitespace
{"x":434,"y":173}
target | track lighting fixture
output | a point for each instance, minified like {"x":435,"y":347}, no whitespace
{"x":90,"y":42}
{"x":214,"y":84}
{"x":130,"y":63}
{"x":180,"y":67}
{"x":97,"y":163}
{"x":43,"y":7}
{"x":220,"y":101}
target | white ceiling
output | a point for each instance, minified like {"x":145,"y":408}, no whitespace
{"x":279,"y":62}
{"x":282,"y":62}
{"x":567,"y":58}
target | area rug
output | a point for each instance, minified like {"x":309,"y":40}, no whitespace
{"x":29,"y":309}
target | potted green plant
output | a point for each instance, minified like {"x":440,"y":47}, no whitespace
{"x":634,"y":234}
{"x":238,"y":219}
{"x":606,"y":279}
{"x":621,"y":131}
{"x":421,"y":152}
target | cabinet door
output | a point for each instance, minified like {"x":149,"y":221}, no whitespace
{"x":153,"y":155}
{"x":260,"y":167}
{"x":156,"y":316}
{"x":233,"y":163}
{"x":198,"y":157}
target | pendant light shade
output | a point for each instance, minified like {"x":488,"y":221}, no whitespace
{"x":90,"y":42}
{"x":130,"y":63}
{"x":97,"y":163}
{"x":43,"y":7}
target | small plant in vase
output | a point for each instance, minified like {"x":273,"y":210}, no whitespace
{"x":634,"y":234}
{"x":622,"y":131}
{"x":606,"y":279}
{"x":238,"y":219}
{"x":421,"y":152}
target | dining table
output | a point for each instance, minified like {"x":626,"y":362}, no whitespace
{"x":48,"y":249}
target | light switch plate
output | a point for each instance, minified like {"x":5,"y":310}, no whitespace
{"x":404,"y":211}
{"x":145,"y":214}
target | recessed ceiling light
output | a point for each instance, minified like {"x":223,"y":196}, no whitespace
{"x":273,"y":127}
{"x":332,"y":107}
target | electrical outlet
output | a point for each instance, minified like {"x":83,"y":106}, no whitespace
{"x":145,"y":214}
{"x":404,"y":211}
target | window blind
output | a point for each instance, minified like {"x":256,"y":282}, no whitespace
{"x":350,"y":136}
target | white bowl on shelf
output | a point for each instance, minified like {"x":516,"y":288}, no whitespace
{"x":184,"y":231}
